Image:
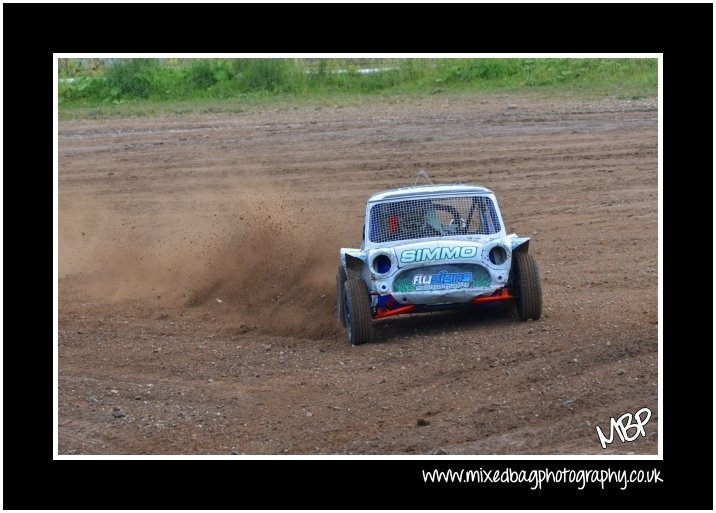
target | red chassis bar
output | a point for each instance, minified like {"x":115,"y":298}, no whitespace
{"x":500,"y":295}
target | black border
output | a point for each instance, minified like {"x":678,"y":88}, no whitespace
{"x":32,"y":480}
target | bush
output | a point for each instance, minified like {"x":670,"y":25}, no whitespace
{"x":271,"y":75}
{"x":204,"y":73}
{"x":131,"y":78}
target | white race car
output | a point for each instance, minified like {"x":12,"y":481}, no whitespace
{"x":429,"y":248}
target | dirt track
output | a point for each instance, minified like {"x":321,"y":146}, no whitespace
{"x":197,"y":260}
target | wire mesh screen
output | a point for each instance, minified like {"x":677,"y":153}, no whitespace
{"x":435,"y":217}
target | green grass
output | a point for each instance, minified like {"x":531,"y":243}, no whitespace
{"x":146,"y":86}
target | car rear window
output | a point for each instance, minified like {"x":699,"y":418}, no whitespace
{"x":434,"y":217}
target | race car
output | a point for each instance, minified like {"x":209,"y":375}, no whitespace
{"x":433,"y":247}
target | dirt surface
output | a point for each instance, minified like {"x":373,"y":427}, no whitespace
{"x":197,"y":257}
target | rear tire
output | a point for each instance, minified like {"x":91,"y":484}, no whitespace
{"x":341,"y":295}
{"x":358,"y":316}
{"x":527,"y":286}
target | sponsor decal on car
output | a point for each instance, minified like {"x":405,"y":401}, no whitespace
{"x":442,"y":281}
{"x":410,"y":256}
{"x":444,"y":277}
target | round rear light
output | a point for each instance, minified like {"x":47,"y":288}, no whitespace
{"x":382,"y":264}
{"x":498,"y":255}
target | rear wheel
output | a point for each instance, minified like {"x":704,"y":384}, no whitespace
{"x":359,"y":320}
{"x":341,"y":295}
{"x":527,"y":286}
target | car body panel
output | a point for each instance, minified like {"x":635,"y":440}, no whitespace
{"x":455,"y":266}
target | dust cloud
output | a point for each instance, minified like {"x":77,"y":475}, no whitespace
{"x":267,"y":261}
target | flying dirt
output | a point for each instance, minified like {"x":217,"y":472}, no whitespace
{"x":265,"y":256}
{"x":197,"y":259}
